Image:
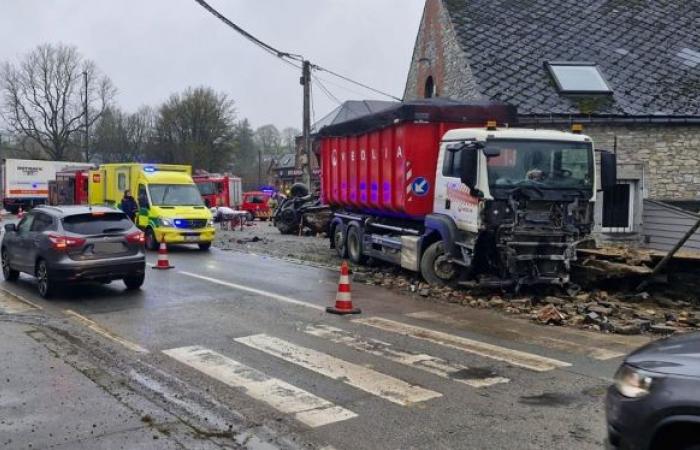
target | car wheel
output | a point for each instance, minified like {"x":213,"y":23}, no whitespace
{"x":151,"y":241}
{"x":7,"y":272}
{"x":44,"y":284}
{"x":134,"y":282}
{"x":354,"y":244}
{"x":435,"y":266}
{"x":204,"y":246}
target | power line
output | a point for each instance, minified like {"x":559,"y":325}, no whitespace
{"x":326,"y":91}
{"x":285,"y":56}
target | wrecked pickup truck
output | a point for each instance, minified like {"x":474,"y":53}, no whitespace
{"x":449,"y":190}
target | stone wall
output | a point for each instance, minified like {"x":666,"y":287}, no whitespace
{"x":438,"y":55}
{"x":670,"y":154}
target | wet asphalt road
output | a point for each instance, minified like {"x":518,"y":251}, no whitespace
{"x":379,"y":378}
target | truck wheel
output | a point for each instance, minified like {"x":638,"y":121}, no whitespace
{"x":435,"y":266}
{"x":204,"y":246}
{"x":354,"y":245}
{"x":340,"y":242}
{"x":151,"y":241}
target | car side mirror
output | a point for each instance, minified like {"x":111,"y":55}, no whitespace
{"x":469,"y":158}
{"x":608,"y":170}
{"x":11,"y":227}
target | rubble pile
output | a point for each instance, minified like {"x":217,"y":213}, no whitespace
{"x":599,"y":310}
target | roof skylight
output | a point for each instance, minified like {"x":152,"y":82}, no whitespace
{"x":578,"y":78}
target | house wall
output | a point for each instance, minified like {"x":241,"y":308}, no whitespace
{"x":438,"y":54}
{"x":665,"y":225}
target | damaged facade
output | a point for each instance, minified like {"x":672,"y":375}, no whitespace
{"x":630,"y":74}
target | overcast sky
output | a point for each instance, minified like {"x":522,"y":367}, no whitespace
{"x":151,"y":48}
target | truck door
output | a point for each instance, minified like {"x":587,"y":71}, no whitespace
{"x":453,"y":198}
{"x":144,"y":205}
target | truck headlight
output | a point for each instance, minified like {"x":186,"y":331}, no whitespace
{"x":210,"y":223}
{"x":166,"y":222}
{"x":632,"y":383}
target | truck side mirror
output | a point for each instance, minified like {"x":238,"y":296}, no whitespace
{"x":469,"y":157}
{"x":608,"y":170}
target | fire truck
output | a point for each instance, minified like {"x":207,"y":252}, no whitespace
{"x":70,"y":187}
{"x":219,"y":190}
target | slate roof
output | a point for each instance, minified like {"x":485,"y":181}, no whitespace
{"x":285,"y":161}
{"x":647,"y":50}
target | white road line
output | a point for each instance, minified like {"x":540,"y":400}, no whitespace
{"x":284,"y":397}
{"x":251,"y":290}
{"x":368,"y":380}
{"x":514,"y":357}
{"x":560,"y":344}
{"x":97,"y":328}
{"x":428,"y":363}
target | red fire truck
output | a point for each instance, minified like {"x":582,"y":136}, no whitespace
{"x":219,"y":190}
{"x":70,"y":187}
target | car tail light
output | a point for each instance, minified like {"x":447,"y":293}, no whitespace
{"x":65,"y":242}
{"x":136,"y":237}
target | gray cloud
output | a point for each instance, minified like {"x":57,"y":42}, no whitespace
{"x":152,"y":48}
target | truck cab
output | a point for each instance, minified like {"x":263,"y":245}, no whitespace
{"x":170,"y":207}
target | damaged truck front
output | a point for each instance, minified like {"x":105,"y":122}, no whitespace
{"x":449,"y":191}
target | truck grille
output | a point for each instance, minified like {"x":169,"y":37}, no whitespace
{"x":191,"y":223}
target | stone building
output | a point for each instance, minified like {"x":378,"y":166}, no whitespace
{"x":628,"y":70}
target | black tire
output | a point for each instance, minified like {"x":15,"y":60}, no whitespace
{"x":287,"y":222}
{"x":354,"y":244}
{"x":7,"y":272}
{"x":434,"y":266}
{"x":204,"y":246}
{"x":340,"y":241}
{"x":45,"y":285}
{"x":134,"y":282}
{"x":151,"y":241}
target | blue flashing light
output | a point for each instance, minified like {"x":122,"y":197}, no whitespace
{"x":149,"y":169}
{"x":178,"y":222}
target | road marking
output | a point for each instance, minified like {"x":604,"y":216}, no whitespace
{"x":384,"y":386}
{"x":428,"y":363}
{"x":9,"y":304}
{"x":97,"y":328}
{"x":20,"y":298}
{"x":284,"y":397}
{"x":240,"y":287}
{"x":514,"y":357}
{"x":560,"y":344}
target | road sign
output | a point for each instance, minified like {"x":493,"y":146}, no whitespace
{"x":420,"y":186}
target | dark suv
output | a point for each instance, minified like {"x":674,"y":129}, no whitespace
{"x":655,"y":401}
{"x":74,"y":243}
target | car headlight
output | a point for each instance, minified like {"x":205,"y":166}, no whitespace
{"x":632,"y":383}
{"x":210,"y":223}
{"x":166,"y":222}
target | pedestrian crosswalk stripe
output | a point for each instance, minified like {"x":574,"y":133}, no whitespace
{"x":286,"y":398}
{"x":514,"y":357}
{"x":368,"y":380}
{"x":428,"y":363}
{"x":546,"y":341}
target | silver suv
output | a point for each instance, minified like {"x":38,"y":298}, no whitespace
{"x":65,"y":244}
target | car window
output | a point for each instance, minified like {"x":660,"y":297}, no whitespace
{"x":43,"y":222}
{"x":26,"y":224}
{"x":97,"y":223}
{"x":142,"y":196}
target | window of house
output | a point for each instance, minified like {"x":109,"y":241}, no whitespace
{"x":578,"y":78}
{"x":430,"y":88}
{"x":618,"y":208}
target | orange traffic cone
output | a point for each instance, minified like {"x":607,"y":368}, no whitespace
{"x":163,"y":263}
{"x":343,"y":299}
{"x":20,"y":213}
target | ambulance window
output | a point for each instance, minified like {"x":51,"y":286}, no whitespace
{"x":121,"y":182}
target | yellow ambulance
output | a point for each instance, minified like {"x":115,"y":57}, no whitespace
{"x":170,"y":207}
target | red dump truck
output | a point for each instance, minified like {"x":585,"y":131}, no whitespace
{"x":454,"y":192}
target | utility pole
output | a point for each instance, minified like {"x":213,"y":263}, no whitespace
{"x":85,"y":112}
{"x":306,"y":82}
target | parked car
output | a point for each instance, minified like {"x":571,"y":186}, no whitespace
{"x":67,"y":244}
{"x":655,"y":401}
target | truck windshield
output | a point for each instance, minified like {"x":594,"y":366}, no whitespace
{"x":540,"y":164}
{"x":175,"y":195}
{"x":208,"y":188}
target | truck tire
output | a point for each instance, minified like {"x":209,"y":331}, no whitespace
{"x":287,"y":221}
{"x":340,"y":241}
{"x":151,"y":241}
{"x":204,"y":246}
{"x":354,"y":244}
{"x":435,"y":266}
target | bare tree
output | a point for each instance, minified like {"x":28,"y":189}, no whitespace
{"x":289,"y":136}
{"x":121,"y":137}
{"x":269,"y":139}
{"x":43,"y":97}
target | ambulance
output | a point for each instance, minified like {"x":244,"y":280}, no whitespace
{"x":170,"y":209}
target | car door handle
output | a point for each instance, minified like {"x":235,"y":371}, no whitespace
{"x":448,"y":203}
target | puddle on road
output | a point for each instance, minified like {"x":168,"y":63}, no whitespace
{"x":473,"y":373}
{"x":548,"y":399}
